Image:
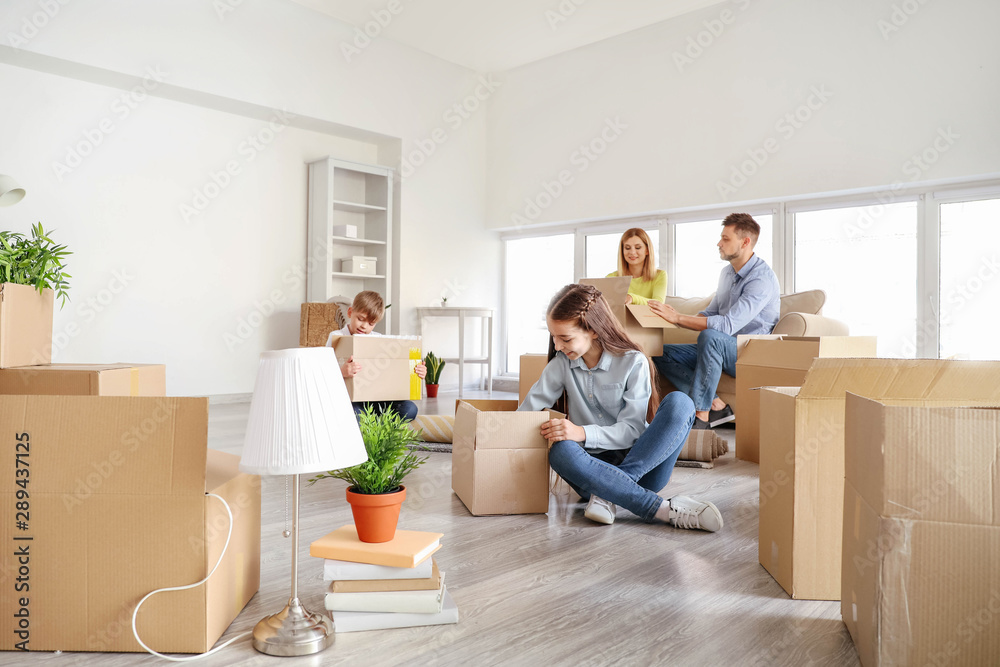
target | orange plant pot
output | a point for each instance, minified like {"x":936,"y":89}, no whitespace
{"x":432,"y":390}
{"x":376,"y":515}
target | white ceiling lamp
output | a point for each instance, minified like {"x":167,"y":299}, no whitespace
{"x":10,"y":191}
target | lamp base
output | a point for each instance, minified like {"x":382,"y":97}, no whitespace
{"x":293,"y":631}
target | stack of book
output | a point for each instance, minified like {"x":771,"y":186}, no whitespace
{"x":395,"y":584}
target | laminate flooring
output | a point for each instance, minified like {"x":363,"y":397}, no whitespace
{"x":546,"y":589}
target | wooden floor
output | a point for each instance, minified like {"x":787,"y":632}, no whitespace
{"x":546,"y":589}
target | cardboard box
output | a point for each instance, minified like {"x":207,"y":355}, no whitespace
{"x":642,"y":325}
{"x":385,"y":366}
{"x":115,"y":507}
{"x":359,"y":265}
{"x":25,"y":325}
{"x":921,"y":538}
{"x":500,"y":461}
{"x":802,"y":456}
{"x":530,"y":370}
{"x":86,"y":380}
{"x":777,"y":361}
{"x":347,"y":231}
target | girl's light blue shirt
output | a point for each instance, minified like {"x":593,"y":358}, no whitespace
{"x":609,"y":400}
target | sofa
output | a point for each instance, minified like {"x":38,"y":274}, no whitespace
{"x":801,"y":315}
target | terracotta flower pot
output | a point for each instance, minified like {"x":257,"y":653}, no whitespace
{"x":432,"y":391}
{"x":376,"y":515}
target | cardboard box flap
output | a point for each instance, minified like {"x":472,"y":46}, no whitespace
{"x":374,"y":347}
{"x":498,"y":425}
{"x":108,"y":444}
{"x":646,"y":318}
{"x":798,"y":352}
{"x":973,"y":382}
{"x":614,"y":288}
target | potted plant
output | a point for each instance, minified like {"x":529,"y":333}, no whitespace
{"x":35,"y":261}
{"x":434,"y":367}
{"x":375,"y":491}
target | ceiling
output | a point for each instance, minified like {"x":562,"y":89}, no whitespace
{"x":497,"y":35}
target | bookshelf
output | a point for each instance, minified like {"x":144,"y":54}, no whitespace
{"x":349,"y":193}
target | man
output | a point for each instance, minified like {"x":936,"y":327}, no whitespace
{"x":746,"y":302}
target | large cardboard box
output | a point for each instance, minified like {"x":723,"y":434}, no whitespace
{"x":25,"y":325}
{"x":921,"y":558}
{"x":643,"y":326}
{"x":385,"y":366}
{"x":530,"y":371}
{"x":781,"y":361}
{"x":500,"y":461}
{"x":104,"y":501}
{"x":802,"y":456}
{"x":86,"y":380}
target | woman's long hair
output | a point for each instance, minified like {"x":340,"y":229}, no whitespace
{"x":586,"y":308}
{"x":648,"y":265}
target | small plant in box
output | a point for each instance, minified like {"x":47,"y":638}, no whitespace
{"x":376,"y":489}
{"x":434,"y":367}
{"x":35,"y":261}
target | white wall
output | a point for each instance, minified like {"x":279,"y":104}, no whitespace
{"x":185,"y":286}
{"x":891,"y":92}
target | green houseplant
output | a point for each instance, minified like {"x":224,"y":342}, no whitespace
{"x":375,"y":490}
{"x":36,"y":261}
{"x":434,"y":367}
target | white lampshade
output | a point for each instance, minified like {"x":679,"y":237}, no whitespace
{"x":10,"y":191}
{"x":301,"y":419}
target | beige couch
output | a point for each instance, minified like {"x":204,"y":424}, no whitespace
{"x":801,"y":315}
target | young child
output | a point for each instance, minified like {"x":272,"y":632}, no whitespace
{"x":604,"y":449}
{"x":362,"y":316}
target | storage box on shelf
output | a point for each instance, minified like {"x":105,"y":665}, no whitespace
{"x":350,"y":218}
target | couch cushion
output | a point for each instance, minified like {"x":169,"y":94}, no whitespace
{"x":803,"y":302}
{"x":689,"y":306}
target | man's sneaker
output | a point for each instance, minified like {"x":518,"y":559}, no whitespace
{"x":718,"y":417}
{"x":600,"y":510}
{"x":699,"y":425}
{"x":689,"y":513}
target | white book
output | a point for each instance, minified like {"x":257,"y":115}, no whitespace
{"x":342,"y":570}
{"x":399,"y":602}
{"x":359,"y":621}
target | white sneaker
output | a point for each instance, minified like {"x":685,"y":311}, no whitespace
{"x":600,"y":510}
{"x":689,"y":513}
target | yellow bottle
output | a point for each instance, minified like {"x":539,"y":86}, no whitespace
{"x":414,"y":378}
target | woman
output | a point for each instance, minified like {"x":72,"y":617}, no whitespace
{"x":635,"y":259}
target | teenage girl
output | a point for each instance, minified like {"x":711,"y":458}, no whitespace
{"x":604,"y":449}
{"x":636,"y":259}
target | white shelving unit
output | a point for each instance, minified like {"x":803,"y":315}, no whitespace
{"x":349,"y":193}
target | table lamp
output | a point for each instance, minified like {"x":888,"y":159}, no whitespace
{"x":301,"y":421}
{"x":10,"y":191}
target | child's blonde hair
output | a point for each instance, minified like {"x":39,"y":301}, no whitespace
{"x":585,"y":307}
{"x":369,"y":304}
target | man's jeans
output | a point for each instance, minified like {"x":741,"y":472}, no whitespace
{"x":696,"y":369}
{"x":644,"y":470}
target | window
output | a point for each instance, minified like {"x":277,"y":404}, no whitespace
{"x":697,"y":258}
{"x":970,"y":284}
{"x":536,"y":268}
{"x":602,"y":252}
{"x":865,"y":259}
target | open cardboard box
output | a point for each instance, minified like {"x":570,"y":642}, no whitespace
{"x":780,"y":361}
{"x":500,"y":461}
{"x":385,"y":366}
{"x":104,"y":501}
{"x":85,"y":380}
{"x":530,"y":370}
{"x":25,"y":325}
{"x":643,"y":326}
{"x":921,"y":538}
{"x":802,"y":455}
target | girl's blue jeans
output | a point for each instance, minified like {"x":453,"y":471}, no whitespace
{"x":642,"y":473}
